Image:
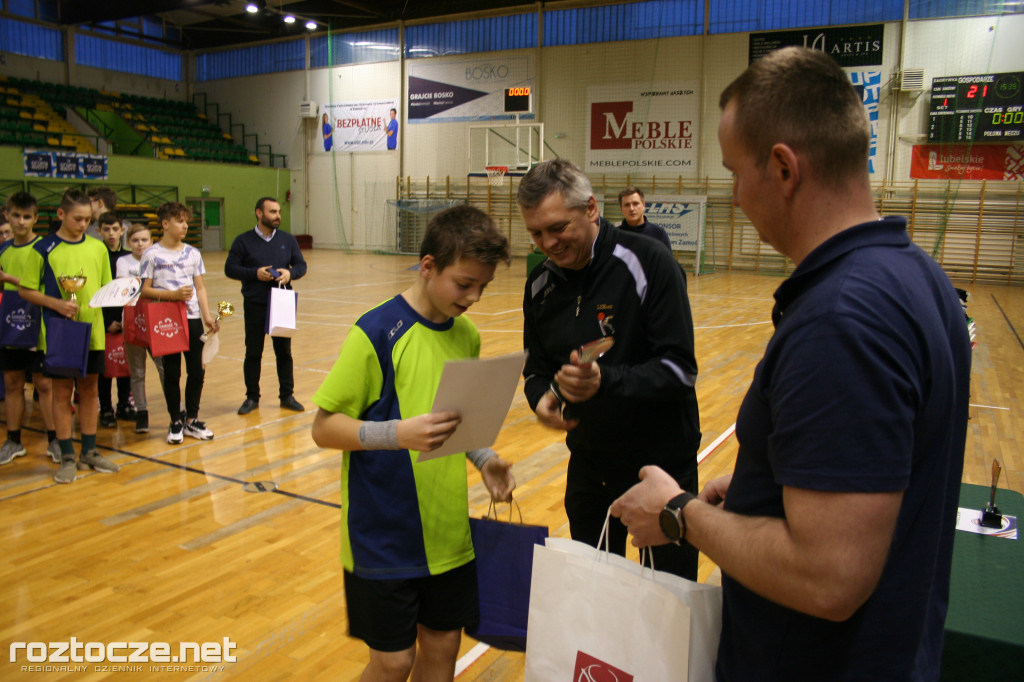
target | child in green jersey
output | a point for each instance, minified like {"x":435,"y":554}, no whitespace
{"x":410,"y":576}
{"x":22,"y":211}
{"x":68,"y":251}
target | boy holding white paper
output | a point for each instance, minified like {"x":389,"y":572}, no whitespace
{"x":410,"y":576}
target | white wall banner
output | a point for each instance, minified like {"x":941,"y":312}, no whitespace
{"x":359,"y":126}
{"x":649,"y":128}
{"x":466,"y":90}
{"x":681,"y":216}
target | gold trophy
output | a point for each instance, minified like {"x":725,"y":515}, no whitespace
{"x":224,"y":309}
{"x":71,"y":284}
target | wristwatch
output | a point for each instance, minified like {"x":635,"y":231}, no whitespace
{"x":673,"y":525}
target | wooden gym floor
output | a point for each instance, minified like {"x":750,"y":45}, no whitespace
{"x":172,"y":549}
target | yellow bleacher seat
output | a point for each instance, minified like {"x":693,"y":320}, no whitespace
{"x":53,"y":141}
{"x":254,"y":158}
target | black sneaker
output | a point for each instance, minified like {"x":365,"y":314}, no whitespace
{"x":142,"y":421}
{"x":107,"y":419}
{"x":197,"y":429}
{"x":290,"y":403}
{"x":176,"y":434}
{"x":126,"y":412}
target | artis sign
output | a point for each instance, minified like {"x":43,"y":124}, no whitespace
{"x":848,"y":45}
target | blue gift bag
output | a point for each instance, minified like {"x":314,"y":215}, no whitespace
{"x":504,"y":563}
{"x":67,"y":347}
{"x":19,"y":321}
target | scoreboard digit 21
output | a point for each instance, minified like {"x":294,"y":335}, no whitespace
{"x":982,"y":108}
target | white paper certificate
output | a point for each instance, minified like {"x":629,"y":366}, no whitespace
{"x":481,"y":391}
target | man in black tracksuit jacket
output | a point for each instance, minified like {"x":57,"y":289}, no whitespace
{"x":635,"y":406}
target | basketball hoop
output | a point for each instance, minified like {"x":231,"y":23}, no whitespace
{"x":496,"y":175}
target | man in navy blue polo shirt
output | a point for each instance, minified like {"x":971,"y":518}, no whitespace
{"x":835,"y":531}
{"x":631,"y":201}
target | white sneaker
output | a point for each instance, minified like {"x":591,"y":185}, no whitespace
{"x":9,"y":450}
{"x":175,"y":433}
{"x":197,"y":429}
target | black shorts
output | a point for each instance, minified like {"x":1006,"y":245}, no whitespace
{"x":96,"y":364}
{"x":12,"y":359}
{"x":384,"y":613}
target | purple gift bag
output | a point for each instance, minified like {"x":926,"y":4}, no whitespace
{"x":67,"y":347}
{"x":19,"y":322}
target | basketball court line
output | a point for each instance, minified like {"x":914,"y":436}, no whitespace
{"x":725,"y":326}
{"x":182,"y":467}
{"x":716,"y":443}
{"x":1008,"y":323}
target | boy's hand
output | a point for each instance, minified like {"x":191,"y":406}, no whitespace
{"x":211,"y":323}
{"x":68,"y":309}
{"x":428,"y":431}
{"x":497,"y":475}
{"x":284,"y":277}
{"x":184,"y":293}
{"x":263,"y":274}
{"x":114,"y":328}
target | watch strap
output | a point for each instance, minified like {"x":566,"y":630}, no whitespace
{"x":677,"y":504}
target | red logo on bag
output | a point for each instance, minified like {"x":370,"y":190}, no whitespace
{"x":167,"y":328}
{"x":590,"y":669}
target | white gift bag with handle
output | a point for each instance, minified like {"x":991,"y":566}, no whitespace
{"x":598,"y":616}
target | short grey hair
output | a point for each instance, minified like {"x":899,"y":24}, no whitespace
{"x":555,"y":175}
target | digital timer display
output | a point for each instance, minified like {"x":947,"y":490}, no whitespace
{"x":982,"y":108}
{"x":518,"y":100}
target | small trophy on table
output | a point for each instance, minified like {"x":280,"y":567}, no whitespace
{"x":224,"y":309}
{"x":990,"y":517}
{"x":72,"y":284}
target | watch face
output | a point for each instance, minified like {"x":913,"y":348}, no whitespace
{"x":670,"y":525}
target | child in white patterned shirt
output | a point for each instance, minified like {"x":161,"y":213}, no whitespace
{"x":173,"y":271}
